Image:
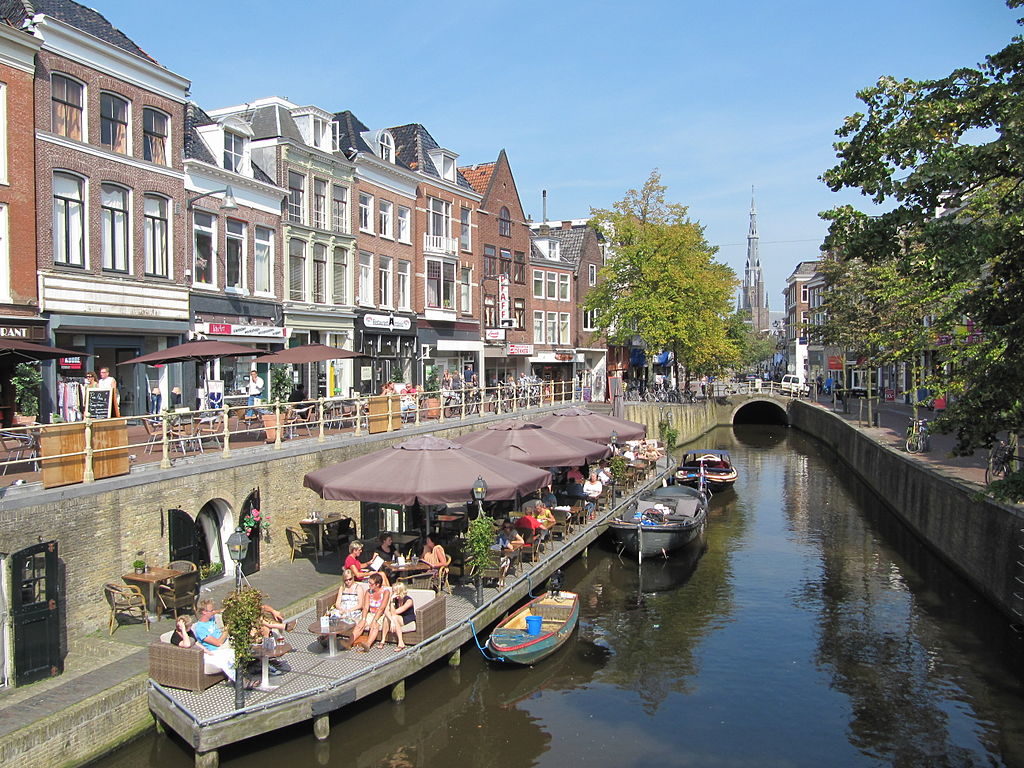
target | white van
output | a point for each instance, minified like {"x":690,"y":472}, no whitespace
{"x":791,"y":385}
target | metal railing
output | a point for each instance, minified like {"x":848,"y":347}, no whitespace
{"x":183,"y":433}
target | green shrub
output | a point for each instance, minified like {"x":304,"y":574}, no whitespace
{"x":27,"y":380}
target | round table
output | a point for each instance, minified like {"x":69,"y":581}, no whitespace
{"x":336,"y":630}
{"x":265,"y":655}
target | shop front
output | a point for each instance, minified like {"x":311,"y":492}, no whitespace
{"x":31,"y":329}
{"x":592,"y":375}
{"x":558,"y":365}
{"x":454,"y":347}
{"x":333,"y":326}
{"x":388,"y":343}
{"x":499,"y":363}
{"x":234,"y":371}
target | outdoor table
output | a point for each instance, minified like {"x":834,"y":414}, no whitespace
{"x":407,"y":571}
{"x":148,"y":581}
{"x":403,"y":540}
{"x":335,"y":630}
{"x":319,"y":524}
{"x":265,"y":655}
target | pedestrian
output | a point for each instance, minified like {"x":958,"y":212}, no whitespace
{"x":254,"y":389}
{"x":109,"y":382}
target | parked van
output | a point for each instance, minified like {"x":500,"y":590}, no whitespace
{"x":791,"y":385}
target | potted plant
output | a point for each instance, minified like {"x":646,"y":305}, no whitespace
{"x":210,"y":571}
{"x":243,"y":614}
{"x":139,"y":566}
{"x":478,"y":552}
{"x":617,"y":466}
{"x":431,"y":400}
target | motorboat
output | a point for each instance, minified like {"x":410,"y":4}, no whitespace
{"x":660,"y":522}
{"x":709,"y":465}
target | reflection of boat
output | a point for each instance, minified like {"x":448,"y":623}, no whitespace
{"x":658,"y":524}
{"x":512,"y":640}
{"x":714,"y":464}
{"x":661,"y":574}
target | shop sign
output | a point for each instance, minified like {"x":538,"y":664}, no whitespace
{"x":504,"y":302}
{"x":494,"y":334}
{"x":228,"y":329}
{"x":70,"y":363}
{"x":387,"y":322}
{"x":17,"y":333}
{"x":835,"y":363}
{"x":520,"y":349}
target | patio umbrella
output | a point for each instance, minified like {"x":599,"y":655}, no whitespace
{"x":31,"y":351}
{"x":194,"y":351}
{"x":590,"y":425}
{"x":428,"y":470}
{"x":530,"y":443}
{"x":308,"y":353}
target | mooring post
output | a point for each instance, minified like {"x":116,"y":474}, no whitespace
{"x":398,"y":691}
{"x":209,"y":759}
{"x":322,"y":727}
{"x":456,"y":658}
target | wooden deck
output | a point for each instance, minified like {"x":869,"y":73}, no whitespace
{"x":319,"y":684}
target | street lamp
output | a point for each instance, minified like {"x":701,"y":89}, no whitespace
{"x":615,"y":441}
{"x":227,"y":204}
{"x":479,"y":494}
{"x":238,"y":546}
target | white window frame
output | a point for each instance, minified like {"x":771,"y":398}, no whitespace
{"x":439,"y":217}
{"x":404,"y":224}
{"x":466,"y":229}
{"x":297,"y":292}
{"x":234,"y":151}
{"x":296,"y":198}
{"x":157,"y":249}
{"x":116,"y":257}
{"x":386,"y":219}
{"x":241,"y":239}
{"x":339,"y":293}
{"x":563,"y":287}
{"x":403,"y":284}
{"x":538,"y":326}
{"x":589,"y":320}
{"x":263,"y":260}
{"x":386,"y":146}
{"x":318,"y":283}
{"x":538,"y":278}
{"x":447,"y":279}
{"x":365,"y":212}
{"x":551,"y":279}
{"x":564,"y":328}
{"x":320,"y":203}
{"x":3,"y":135}
{"x":592,"y":273}
{"x":211,"y":230}
{"x":5,"y":256}
{"x":385,"y":282}
{"x":339,"y":208}
{"x":552,"y":327}
{"x":364,"y":289}
{"x":78,"y":259}
{"x":466,"y":290}
{"x":554,"y":249}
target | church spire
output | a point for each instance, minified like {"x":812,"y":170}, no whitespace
{"x":753,"y":296}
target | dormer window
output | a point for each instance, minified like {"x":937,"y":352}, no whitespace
{"x":335,"y":136}
{"x":447,"y":168}
{"x":387,"y":147}
{"x":319,"y":132}
{"x":234,"y":151}
{"x":554,"y":250}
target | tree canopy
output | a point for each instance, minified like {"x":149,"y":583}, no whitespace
{"x":945,"y":158}
{"x":662,"y":282}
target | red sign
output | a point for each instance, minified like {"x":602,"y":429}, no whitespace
{"x":520,"y":349}
{"x":71,"y":363}
{"x":835,"y":363}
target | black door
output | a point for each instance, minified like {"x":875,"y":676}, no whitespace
{"x":35,"y":613}
{"x":251,"y":561}
{"x":181,"y":537}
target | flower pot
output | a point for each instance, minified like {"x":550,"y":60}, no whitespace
{"x":432,"y":408}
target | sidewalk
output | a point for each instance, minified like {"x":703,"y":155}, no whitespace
{"x":893,"y":419}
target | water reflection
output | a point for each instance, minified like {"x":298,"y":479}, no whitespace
{"x":808,"y":627}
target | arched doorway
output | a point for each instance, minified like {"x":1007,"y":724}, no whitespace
{"x":202,"y":540}
{"x":251,"y":562}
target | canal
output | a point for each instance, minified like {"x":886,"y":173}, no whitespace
{"x":807,"y":628}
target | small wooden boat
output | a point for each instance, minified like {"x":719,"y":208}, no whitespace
{"x":658,"y":523}
{"x":511,"y":641}
{"x":715,"y":465}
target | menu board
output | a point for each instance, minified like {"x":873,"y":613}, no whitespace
{"x":97,"y":403}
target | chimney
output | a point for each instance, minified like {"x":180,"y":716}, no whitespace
{"x":544,"y":206}
{"x":566,"y":225}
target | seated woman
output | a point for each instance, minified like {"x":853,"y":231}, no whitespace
{"x":385,"y":549}
{"x":375,"y":603}
{"x":508,"y":537}
{"x":434,"y":554}
{"x":350,"y":597}
{"x":354,"y":562}
{"x":400,"y":616}
{"x":182,"y":634}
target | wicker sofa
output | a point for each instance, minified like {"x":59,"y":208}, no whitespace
{"x":431,"y":613}
{"x":178,"y":667}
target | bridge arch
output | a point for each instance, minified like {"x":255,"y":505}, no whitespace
{"x":760,"y":410}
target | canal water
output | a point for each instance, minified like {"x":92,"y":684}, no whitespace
{"x":807,"y":628}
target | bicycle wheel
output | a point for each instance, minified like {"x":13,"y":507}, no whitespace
{"x":996,"y":468}
{"x":913,"y":444}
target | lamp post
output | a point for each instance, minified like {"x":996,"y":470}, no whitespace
{"x":227,"y":204}
{"x":615,"y":442}
{"x":479,"y":494}
{"x":238,"y":546}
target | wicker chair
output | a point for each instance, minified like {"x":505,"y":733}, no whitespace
{"x":177,"y":667}
{"x":439,"y":580}
{"x":182,"y":593}
{"x":299,"y":541}
{"x":125,"y":598}
{"x":531,"y":542}
{"x":185,"y":566}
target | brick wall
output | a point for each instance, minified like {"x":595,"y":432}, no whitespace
{"x":19,"y":193}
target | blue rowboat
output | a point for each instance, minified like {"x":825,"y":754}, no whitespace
{"x":512,"y":642}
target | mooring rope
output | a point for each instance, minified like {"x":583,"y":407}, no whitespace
{"x":482,"y":649}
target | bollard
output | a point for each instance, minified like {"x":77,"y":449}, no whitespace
{"x":456,"y":658}
{"x":398,"y":691}
{"x":322,"y":727}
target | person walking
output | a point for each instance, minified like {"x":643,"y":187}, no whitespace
{"x":254,"y":389}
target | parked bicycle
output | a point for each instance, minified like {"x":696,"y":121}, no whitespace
{"x":917,"y":436}
{"x":1000,"y":460}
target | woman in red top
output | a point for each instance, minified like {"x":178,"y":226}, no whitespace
{"x":352,"y":562}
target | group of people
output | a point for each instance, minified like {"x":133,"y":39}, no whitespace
{"x":212,"y":636}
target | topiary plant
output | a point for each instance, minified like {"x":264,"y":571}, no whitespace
{"x":27,"y":380}
{"x":243,"y":614}
{"x":478,"y":554}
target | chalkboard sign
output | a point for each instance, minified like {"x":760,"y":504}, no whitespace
{"x":98,"y":402}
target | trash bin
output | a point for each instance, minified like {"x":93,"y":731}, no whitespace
{"x":533,"y":624}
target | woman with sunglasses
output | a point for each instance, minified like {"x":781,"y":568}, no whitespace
{"x":375,"y":603}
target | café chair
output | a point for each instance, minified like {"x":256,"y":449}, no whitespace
{"x":185,"y":566}
{"x":182,"y":592}
{"x":439,"y":580}
{"x":531,"y":542}
{"x":125,"y":598}
{"x":299,"y":541}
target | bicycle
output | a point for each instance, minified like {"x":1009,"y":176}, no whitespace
{"x":917,"y":436}
{"x":999,"y":461}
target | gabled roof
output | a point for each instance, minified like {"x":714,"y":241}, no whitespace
{"x":570,"y":248}
{"x":197,"y":149}
{"x":479,"y":176}
{"x":350,"y":133}
{"x":412,"y":146}
{"x":17,"y":12}
{"x":271,"y":121}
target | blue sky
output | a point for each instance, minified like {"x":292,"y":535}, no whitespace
{"x":588,"y":97}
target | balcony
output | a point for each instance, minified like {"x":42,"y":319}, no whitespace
{"x":440,"y":244}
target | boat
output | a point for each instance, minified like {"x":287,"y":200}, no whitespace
{"x":557,"y":613}
{"x":661,"y":521}
{"x":715,"y":465}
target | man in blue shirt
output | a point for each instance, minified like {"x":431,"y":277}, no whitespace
{"x":214,"y":640}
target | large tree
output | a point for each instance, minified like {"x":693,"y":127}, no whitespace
{"x":662,"y":282}
{"x":945,"y":158}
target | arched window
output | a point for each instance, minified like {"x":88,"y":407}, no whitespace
{"x":68,"y":220}
{"x":114,"y":123}
{"x":114,"y":225}
{"x":504,"y":223}
{"x":387,"y":147}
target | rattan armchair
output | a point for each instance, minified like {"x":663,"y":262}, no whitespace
{"x":125,"y":598}
{"x":299,"y":541}
{"x":177,"y":667}
{"x":183,"y":592}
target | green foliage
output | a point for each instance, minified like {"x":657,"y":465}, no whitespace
{"x":945,"y":158}
{"x":479,"y":539}
{"x":139,"y":564}
{"x":27,"y":380}
{"x":280,"y":383}
{"x":662,"y":282}
{"x":432,"y":384}
{"x":617,"y":466}
{"x":242,"y":617}
{"x":752,"y":347}
{"x":669,"y":434}
{"x":210,"y":571}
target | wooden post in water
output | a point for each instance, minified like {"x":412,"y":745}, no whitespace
{"x":322,"y":727}
{"x":456,"y":658}
{"x":398,"y":691}
{"x":209,"y":759}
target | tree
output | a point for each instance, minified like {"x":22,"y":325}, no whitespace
{"x":946,"y":158}
{"x":662,"y":282}
{"x":753,"y":347}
